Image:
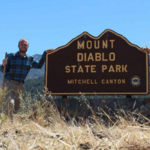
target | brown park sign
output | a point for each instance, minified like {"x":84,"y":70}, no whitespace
{"x":107,"y":64}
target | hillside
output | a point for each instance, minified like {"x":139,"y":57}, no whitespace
{"x":34,"y":85}
{"x":36,"y":73}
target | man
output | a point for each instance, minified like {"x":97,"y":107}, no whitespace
{"x":18,"y":66}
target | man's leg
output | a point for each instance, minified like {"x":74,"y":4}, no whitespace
{"x":9,"y":102}
{"x":19,"y":92}
{"x":12,"y":97}
{"x":17,"y":101}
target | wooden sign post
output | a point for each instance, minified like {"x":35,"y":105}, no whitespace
{"x":107,"y":64}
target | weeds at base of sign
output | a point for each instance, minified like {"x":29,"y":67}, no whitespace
{"x":50,"y":130}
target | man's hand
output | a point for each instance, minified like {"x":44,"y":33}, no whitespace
{"x":49,"y":50}
{"x":143,"y":49}
{"x":5,"y":62}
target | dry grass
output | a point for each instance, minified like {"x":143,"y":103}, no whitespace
{"x":49,"y":131}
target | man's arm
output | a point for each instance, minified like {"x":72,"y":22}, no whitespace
{"x":39,"y":64}
{"x":6,"y":63}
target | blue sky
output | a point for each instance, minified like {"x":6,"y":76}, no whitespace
{"x":50,"y":24}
